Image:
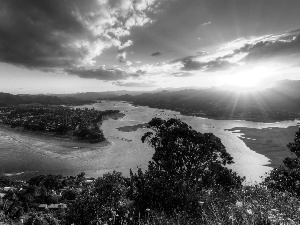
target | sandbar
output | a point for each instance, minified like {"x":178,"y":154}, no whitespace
{"x":271,"y":141}
{"x":132,"y":128}
{"x":25,"y":153}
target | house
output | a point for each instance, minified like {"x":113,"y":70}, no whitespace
{"x":43,"y":206}
{"x":2,"y":195}
{"x":58,"y":206}
{"x":7,"y":189}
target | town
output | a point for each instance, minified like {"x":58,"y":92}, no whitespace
{"x":83,"y":124}
{"x":45,"y":194}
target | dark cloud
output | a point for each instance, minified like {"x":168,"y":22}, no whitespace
{"x":99,"y":73}
{"x":285,"y":45}
{"x":193,"y":63}
{"x":134,"y":84}
{"x":210,"y":66}
{"x":112,"y":74}
{"x":60,"y":34}
{"x":288,"y":45}
{"x":156,"y":54}
{"x":37,"y":33}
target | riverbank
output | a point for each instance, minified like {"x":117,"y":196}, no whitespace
{"x":270,"y":142}
{"x":205,"y":116}
{"x":24,"y":154}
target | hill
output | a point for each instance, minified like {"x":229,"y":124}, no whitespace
{"x":269,"y":104}
{"x":7,"y":99}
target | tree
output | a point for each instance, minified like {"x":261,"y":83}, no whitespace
{"x":5,"y":182}
{"x":49,"y":181}
{"x":184,"y":163}
{"x":107,"y":201}
{"x":287,"y":177}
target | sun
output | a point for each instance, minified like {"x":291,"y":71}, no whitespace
{"x":252,"y":79}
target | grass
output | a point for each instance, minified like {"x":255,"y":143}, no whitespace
{"x":251,"y":205}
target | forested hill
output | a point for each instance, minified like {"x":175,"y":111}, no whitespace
{"x":7,"y":99}
{"x":269,"y":104}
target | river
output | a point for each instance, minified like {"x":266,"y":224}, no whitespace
{"x":30,"y":155}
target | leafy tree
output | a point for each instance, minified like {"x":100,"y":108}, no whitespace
{"x":69,"y":195}
{"x":184,"y":163}
{"x":287,"y":177}
{"x":4,"y":181}
{"x":49,"y":181}
{"x":41,"y":219}
{"x":107,"y":200}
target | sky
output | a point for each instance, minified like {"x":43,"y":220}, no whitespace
{"x":70,"y":46}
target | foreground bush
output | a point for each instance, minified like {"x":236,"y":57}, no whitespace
{"x":185,"y":163}
{"x":248,"y":205}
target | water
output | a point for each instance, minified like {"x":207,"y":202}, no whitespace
{"x":33,"y":156}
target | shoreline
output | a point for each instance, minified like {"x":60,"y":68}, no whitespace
{"x":25,"y":154}
{"x":270,"y":142}
{"x":250,"y":119}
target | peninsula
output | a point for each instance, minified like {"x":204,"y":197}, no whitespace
{"x":70,"y":123}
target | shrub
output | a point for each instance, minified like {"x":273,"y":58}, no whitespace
{"x":184,"y":163}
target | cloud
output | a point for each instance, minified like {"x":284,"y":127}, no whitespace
{"x":202,"y":53}
{"x":243,"y":51}
{"x":135,"y":84}
{"x":156,"y":54}
{"x":121,"y":57}
{"x":182,"y":74}
{"x":102,"y":73}
{"x":284,"y":46}
{"x":99,"y":74}
{"x":205,"y":24}
{"x":53,"y":34}
{"x":210,"y":66}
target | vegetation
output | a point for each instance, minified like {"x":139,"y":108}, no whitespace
{"x":7,"y":100}
{"x":185,"y":163}
{"x":186,"y":182}
{"x":59,"y":120}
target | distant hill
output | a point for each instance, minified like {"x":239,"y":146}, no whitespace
{"x":97,"y":95}
{"x":278,"y":103}
{"x":7,"y":99}
{"x":288,"y":87}
{"x":269,"y":104}
{"x":113,"y":94}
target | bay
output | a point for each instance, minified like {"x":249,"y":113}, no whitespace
{"x":23,"y":156}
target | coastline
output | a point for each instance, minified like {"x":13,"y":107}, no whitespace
{"x":250,"y":119}
{"x":25,"y":154}
{"x":270,"y":142}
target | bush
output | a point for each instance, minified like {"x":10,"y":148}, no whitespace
{"x":107,"y":202}
{"x":185,"y":162}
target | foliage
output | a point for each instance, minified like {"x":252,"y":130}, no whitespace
{"x":4,"y":181}
{"x":106,"y":202}
{"x":41,"y":219}
{"x":48,"y":181}
{"x":184,"y":163}
{"x":287,"y":177}
{"x":248,"y":205}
